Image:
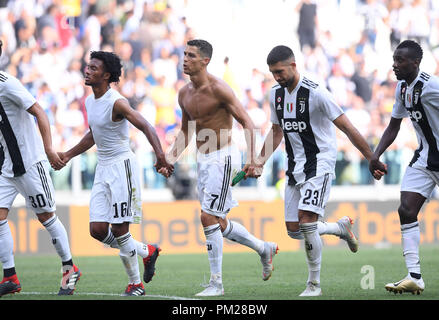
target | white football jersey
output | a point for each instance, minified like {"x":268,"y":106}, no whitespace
{"x":305,"y":116}
{"x":111,"y":137}
{"x":21,"y":145}
{"x":420,"y":102}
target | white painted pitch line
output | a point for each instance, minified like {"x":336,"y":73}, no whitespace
{"x":109,"y":294}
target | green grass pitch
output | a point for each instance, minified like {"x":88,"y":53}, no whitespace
{"x":345,"y":276}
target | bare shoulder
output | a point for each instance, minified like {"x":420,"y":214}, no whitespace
{"x":183,"y":92}
{"x":220,"y":88}
{"x":121,"y":103}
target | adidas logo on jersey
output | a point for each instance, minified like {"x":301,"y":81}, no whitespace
{"x":293,"y":125}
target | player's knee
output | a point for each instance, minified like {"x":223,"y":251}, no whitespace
{"x":43,"y":217}
{"x":295,"y":234}
{"x":98,"y":232}
{"x":4,"y":213}
{"x":406,"y":214}
{"x":208,"y":219}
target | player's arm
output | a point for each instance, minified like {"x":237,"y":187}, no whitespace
{"x":184,"y":135}
{"x":122,"y":108}
{"x":272,"y":141}
{"x":342,"y":122}
{"x":234,"y":106}
{"x":44,"y":126}
{"x":83,"y":145}
{"x":389,"y":135}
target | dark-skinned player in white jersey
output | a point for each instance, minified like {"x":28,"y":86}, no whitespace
{"x":305,"y":113}
{"x":115,"y":197}
{"x":417,"y":97}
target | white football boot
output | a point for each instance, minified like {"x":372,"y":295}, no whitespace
{"x":312,"y":290}
{"x":345,"y":225}
{"x":408,"y":284}
{"x":270,"y":250}
{"x":215,"y":288}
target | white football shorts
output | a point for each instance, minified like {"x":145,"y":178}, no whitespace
{"x":311,"y":195}
{"x":215,"y":172}
{"x":35,"y":186}
{"x":420,"y":180}
{"x":116,"y":195}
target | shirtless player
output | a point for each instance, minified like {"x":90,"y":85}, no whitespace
{"x":210,"y":105}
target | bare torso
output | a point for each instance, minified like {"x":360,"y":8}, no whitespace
{"x":208,"y":112}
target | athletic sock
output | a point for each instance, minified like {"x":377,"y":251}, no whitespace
{"x":141,"y":248}
{"x":68,"y":263}
{"x":6,"y":245}
{"x":9,"y":272}
{"x":410,"y":235}
{"x":238,"y":233}
{"x":322,"y":227}
{"x":328,"y":228}
{"x":59,"y":237}
{"x":214,"y":244}
{"x":313,"y":249}
{"x":128,"y":254}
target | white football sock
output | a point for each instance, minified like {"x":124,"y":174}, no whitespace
{"x":323,"y":228}
{"x":313,"y":249}
{"x":214,"y":243}
{"x":237,"y":232}
{"x":128,"y":254}
{"x":328,"y":228}
{"x":59,"y":236}
{"x":6,"y":245}
{"x":410,"y":235}
{"x":141,"y":248}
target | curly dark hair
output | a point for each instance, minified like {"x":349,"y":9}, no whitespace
{"x":112,"y":64}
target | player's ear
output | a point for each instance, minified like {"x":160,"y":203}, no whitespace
{"x":107,"y":75}
{"x":206,"y":60}
{"x":417,"y":62}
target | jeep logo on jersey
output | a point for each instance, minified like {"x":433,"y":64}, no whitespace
{"x":415,"y":115}
{"x":290,"y":125}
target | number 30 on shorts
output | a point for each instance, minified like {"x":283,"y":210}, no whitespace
{"x":38,"y":201}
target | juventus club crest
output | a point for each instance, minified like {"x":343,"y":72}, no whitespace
{"x":415,"y":97}
{"x":302,"y":105}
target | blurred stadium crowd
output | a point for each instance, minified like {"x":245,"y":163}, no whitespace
{"x":47,"y":45}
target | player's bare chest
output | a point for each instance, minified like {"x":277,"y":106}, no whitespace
{"x":200,"y":105}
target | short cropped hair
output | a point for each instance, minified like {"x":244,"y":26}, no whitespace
{"x":415,"y":50}
{"x":111,"y":62}
{"x":203,"y":46}
{"x":278,"y":54}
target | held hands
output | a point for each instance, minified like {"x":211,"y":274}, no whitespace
{"x":377,"y":168}
{"x":55,"y":160}
{"x":253,"y":170}
{"x":164,"y":167}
